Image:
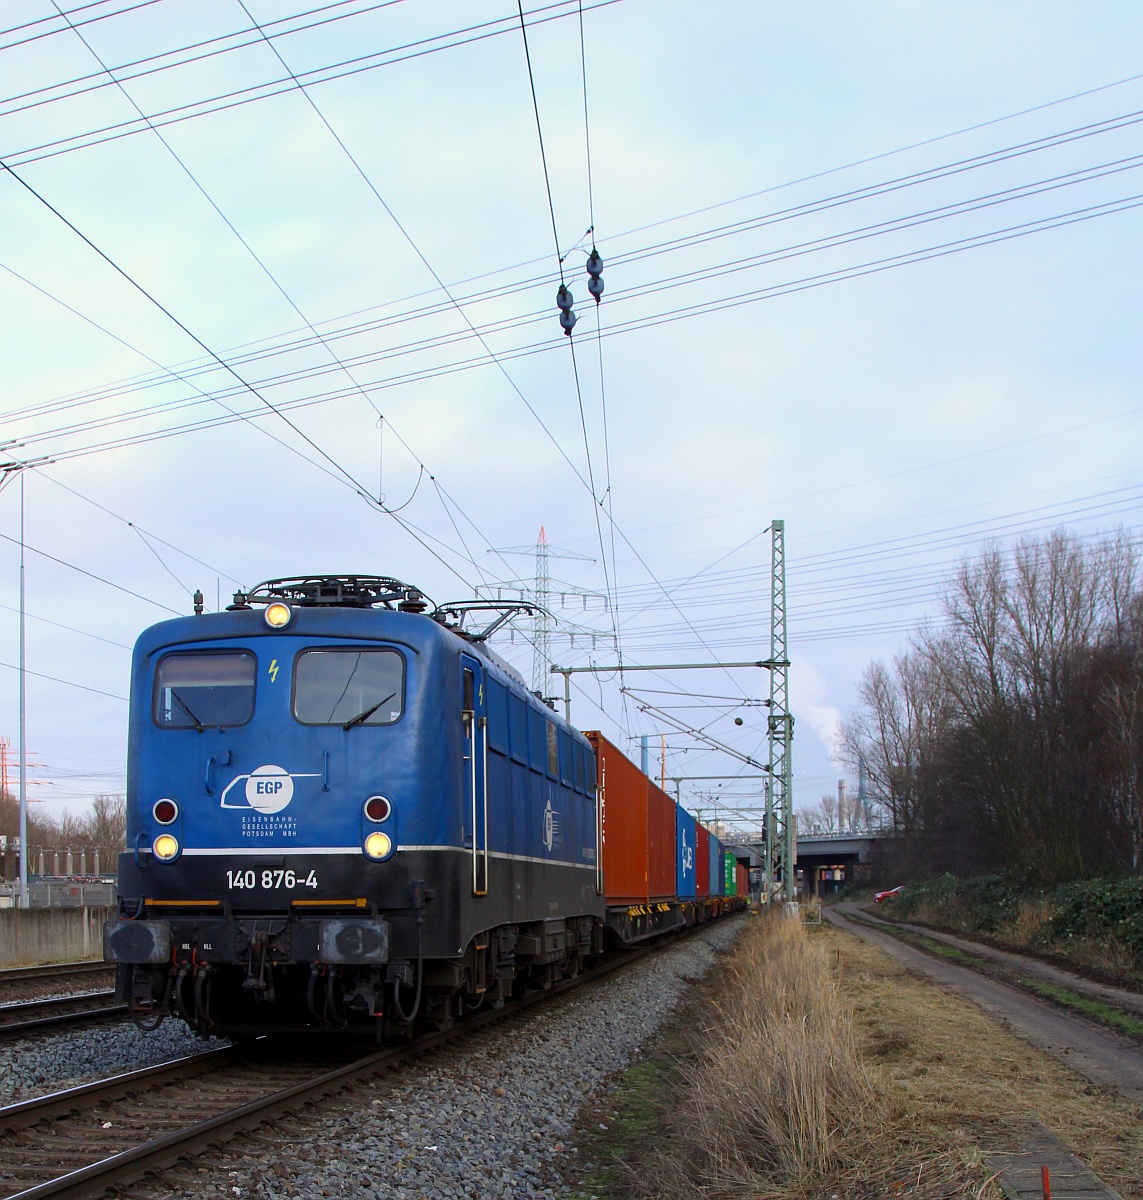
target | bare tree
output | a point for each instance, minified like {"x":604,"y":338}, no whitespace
{"x":106,"y":828}
{"x":1011,"y":734}
{"x":823,"y":817}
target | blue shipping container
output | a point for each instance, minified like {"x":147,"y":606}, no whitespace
{"x":715,"y":867}
{"x":685,"y":843}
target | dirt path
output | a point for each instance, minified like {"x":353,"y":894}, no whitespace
{"x":1096,"y":1053}
{"x":1023,"y":963}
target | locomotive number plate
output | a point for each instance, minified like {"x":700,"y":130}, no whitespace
{"x":270,"y":880}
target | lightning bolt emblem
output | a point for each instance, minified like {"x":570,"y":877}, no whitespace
{"x":273,"y":671}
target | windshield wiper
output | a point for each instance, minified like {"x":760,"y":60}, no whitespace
{"x":364,"y":716}
{"x":183,"y":705}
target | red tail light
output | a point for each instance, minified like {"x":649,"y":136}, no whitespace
{"x":377,"y":808}
{"x":165,"y":811}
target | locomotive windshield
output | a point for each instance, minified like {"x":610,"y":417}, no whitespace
{"x":349,"y":687}
{"x":204,"y":689}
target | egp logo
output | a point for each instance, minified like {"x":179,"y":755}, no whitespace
{"x":687,"y":853}
{"x":551,"y":827}
{"x":268,"y":789}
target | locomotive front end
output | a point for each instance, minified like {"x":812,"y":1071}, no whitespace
{"x":275,"y":759}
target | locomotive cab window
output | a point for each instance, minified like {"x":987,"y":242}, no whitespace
{"x":349,"y":687}
{"x":203,"y":690}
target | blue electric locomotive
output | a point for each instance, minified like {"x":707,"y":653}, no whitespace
{"x":344,"y":810}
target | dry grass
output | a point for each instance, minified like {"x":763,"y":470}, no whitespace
{"x":782,"y":1033}
{"x":774,"y":1099}
{"x":1031,"y":917}
{"x":960,"y":1083}
{"x":817,"y":1066}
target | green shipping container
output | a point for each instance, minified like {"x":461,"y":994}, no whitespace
{"x":730,"y":881}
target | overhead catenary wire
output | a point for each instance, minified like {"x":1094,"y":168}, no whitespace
{"x":380,"y":503}
{"x":792,"y":251}
{"x":90,"y":574}
{"x":540,"y":135}
{"x":459,"y":308}
{"x":67,"y":682}
{"x":770,"y":292}
{"x":135,"y":525}
{"x":347,"y":476}
{"x":592,"y":486}
{"x":239,"y":97}
{"x":69,"y":628}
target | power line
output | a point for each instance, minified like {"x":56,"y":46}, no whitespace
{"x":69,"y":682}
{"x":412,"y":244}
{"x":540,"y":135}
{"x":253,"y":254}
{"x":118,"y":12}
{"x":175,"y":320}
{"x":667,"y":283}
{"x":69,"y":628}
{"x":91,"y":575}
{"x":239,"y":97}
{"x":134,"y":525}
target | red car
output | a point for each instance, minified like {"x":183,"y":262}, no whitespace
{"x":878,"y":897}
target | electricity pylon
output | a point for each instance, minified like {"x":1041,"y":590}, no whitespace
{"x":541,"y":593}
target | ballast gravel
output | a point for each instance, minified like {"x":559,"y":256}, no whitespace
{"x":49,"y":1062}
{"x":490,"y":1116}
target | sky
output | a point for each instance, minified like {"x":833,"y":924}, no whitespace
{"x":278,"y":284}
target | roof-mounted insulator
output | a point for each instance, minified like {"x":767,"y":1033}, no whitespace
{"x":595,"y":274}
{"x":564,"y":302}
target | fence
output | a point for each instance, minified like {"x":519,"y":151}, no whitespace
{"x":69,"y":893}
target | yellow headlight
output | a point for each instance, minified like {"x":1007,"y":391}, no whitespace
{"x":165,"y":847}
{"x":278,"y":615}
{"x":377,"y":845}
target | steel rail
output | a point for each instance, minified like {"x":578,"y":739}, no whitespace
{"x":128,"y":1166}
{"x":53,"y":970}
{"x":115,"y":1087}
{"x":53,"y":1018}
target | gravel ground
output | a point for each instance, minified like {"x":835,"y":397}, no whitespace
{"x":50,"y":1062}
{"x":489,"y":1117}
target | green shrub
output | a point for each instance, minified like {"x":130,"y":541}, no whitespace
{"x":1094,"y":910}
{"x":1099,"y":909}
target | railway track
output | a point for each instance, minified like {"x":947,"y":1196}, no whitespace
{"x":27,"y":983}
{"x":116,"y":1131}
{"x":59,"y":1012}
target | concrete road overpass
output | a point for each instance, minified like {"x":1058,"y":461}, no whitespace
{"x":828,"y":862}
{"x":825,"y":862}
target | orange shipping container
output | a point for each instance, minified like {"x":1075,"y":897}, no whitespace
{"x":638,"y":829}
{"x":743,"y":875}
{"x":662,"y":879}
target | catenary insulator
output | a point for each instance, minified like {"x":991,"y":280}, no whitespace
{"x":595,"y":274}
{"x":564,"y":298}
{"x":567,"y":320}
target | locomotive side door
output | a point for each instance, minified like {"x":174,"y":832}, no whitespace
{"x":474,"y":717}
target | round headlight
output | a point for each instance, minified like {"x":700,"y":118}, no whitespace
{"x":165,"y":811}
{"x":165,"y":847}
{"x":377,"y":808}
{"x":377,"y":845}
{"x":278,"y":615}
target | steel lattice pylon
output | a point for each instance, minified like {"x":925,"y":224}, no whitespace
{"x":542,"y":629}
{"x":781,"y":848}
